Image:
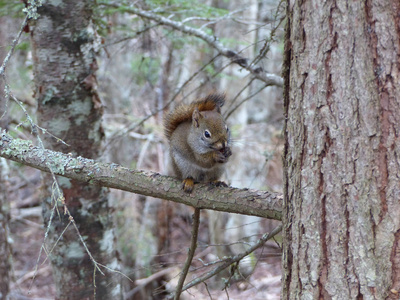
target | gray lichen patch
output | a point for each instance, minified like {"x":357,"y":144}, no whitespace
{"x":57,"y":164}
{"x":16,"y":147}
{"x":107,"y":242}
{"x":95,"y":132}
{"x":49,"y":94}
{"x":58,"y":126}
{"x":75,"y":250}
{"x":57,"y":3}
{"x":80,"y":109}
{"x":64,"y":182}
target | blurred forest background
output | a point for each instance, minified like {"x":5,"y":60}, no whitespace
{"x":144,"y":70}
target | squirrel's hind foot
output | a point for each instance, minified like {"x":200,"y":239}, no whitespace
{"x":188,"y":184}
{"x":217,"y":183}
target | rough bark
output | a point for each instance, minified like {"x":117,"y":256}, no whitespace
{"x":5,"y":265}
{"x":63,"y":43}
{"x":342,"y":102}
{"x":242,"y":201}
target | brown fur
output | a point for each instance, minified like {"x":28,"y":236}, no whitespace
{"x":183,"y":113}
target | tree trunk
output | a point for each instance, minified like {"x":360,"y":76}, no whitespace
{"x":342,"y":155}
{"x":64,"y":40}
{"x":5,"y":265}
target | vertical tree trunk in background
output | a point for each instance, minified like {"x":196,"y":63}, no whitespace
{"x":5,"y":266}
{"x":63,"y":40}
{"x":342,"y":154}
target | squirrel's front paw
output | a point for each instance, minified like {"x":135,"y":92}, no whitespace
{"x":187,"y":185}
{"x":227,"y":152}
{"x":222,"y":155}
{"x":219,"y":157}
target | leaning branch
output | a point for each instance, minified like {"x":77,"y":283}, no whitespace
{"x":242,"y":201}
{"x":256,"y":71}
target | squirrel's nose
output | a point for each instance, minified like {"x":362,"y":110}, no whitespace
{"x":219,"y":146}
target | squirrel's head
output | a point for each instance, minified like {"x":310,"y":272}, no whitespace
{"x":211,"y":130}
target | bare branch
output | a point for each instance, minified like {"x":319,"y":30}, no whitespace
{"x":230,"y":260}
{"x":242,"y":201}
{"x":14,"y":44}
{"x":258,"y":72}
{"x":141,"y":283}
{"x":192,"y":250}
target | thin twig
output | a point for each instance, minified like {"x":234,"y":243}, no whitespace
{"x":192,"y":249}
{"x":56,"y":197}
{"x":208,"y":291}
{"x":141,"y":283}
{"x":13,"y":45}
{"x":135,"y":125}
{"x":42,"y":247}
{"x":265,"y":48}
{"x":230,"y":260}
{"x":83,"y":242}
{"x":191,"y":78}
{"x":244,"y":100}
{"x":48,"y":253}
{"x":130,"y":37}
{"x":258,"y":72}
{"x":237,"y":97}
{"x":5,"y":61}
{"x":225,"y":17}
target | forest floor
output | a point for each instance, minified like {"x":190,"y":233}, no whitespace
{"x":27,"y":235}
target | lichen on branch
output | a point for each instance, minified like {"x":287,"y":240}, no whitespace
{"x":241,"y":201}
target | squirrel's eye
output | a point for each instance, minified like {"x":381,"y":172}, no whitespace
{"x":207,"y":134}
{"x":226,"y":127}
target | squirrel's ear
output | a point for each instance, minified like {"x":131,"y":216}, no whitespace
{"x":217,"y":109}
{"x":196,"y":116}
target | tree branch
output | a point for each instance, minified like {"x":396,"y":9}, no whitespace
{"x":192,"y":250}
{"x":242,"y":201}
{"x":258,"y":72}
{"x":230,"y":260}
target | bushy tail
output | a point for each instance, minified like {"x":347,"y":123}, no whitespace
{"x":184,"y":112}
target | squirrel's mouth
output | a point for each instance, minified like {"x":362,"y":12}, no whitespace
{"x":225,"y":150}
{"x":222,"y":147}
{"x":218,"y":146}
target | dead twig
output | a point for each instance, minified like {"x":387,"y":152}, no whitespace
{"x":192,"y":249}
{"x":232,"y":260}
